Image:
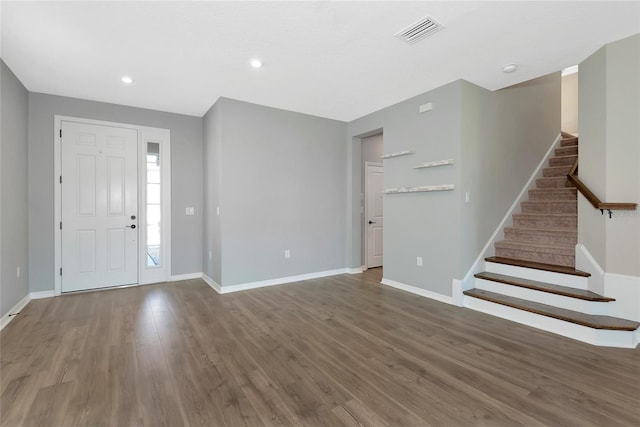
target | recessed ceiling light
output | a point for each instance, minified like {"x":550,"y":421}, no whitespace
{"x":126,"y":79}
{"x":256,"y":63}
{"x":509,"y":68}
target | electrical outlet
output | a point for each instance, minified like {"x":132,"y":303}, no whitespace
{"x":190,"y":211}
{"x":287,"y":254}
{"x":419,"y":261}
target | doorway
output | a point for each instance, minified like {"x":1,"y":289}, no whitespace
{"x":113,"y":204}
{"x":372,"y":201}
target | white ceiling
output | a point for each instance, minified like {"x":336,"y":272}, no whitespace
{"x":331,"y":59}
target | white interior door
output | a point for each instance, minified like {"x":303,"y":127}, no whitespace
{"x":374,"y":216}
{"x":99,"y":194}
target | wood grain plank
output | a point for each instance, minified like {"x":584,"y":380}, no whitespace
{"x":335,"y":351}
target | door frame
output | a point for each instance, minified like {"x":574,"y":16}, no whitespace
{"x":366,"y":209}
{"x":145,"y":134}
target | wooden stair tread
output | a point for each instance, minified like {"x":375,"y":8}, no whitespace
{"x":589,"y":320}
{"x":544,"y":287}
{"x":538,"y":266}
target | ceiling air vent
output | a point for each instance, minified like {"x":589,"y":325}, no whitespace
{"x":421,"y":29}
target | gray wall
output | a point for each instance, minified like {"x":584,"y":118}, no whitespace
{"x":13,"y":188}
{"x":592,"y":171}
{"x":282,"y":187}
{"x":609,"y":108}
{"x":212,"y":133}
{"x":479,"y":130}
{"x":186,"y":176}
{"x":418,"y":224}
{"x":505,"y":134}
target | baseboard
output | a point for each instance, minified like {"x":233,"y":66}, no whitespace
{"x":281,"y":280}
{"x":467,"y":282}
{"x":356,"y":270}
{"x":418,"y":291}
{"x":42,"y":294}
{"x":214,"y":285}
{"x":188,"y":276}
{"x":8,"y":317}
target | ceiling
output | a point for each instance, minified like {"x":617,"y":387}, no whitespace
{"x":332,"y":59}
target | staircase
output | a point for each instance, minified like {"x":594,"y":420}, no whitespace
{"x":532,"y":279}
{"x":547,"y":229}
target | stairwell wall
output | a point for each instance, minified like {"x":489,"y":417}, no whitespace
{"x":505,"y":134}
{"x":609,"y":108}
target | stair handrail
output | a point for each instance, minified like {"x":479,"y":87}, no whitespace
{"x":592,"y":198}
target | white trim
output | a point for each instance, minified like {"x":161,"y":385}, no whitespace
{"x":586,"y":262}
{"x":418,"y":291}
{"x":8,"y":317}
{"x":188,"y":276}
{"x":487,"y":250}
{"x":626,"y":291}
{"x":42,"y":294}
{"x":457,"y":297}
{"x":214,"y":285}
{"x":570,"y":70}
{"x":356,"y":270}
{"x":144,"y":133}
{"x":281,"y":280}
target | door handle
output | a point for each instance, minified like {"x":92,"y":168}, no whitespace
{"x":371,"y":222}
{"x":132,"y":226}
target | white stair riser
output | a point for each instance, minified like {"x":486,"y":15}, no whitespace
{"x":583,"y":306}
{"x":570,"y":280}
{"x":599,"y":337}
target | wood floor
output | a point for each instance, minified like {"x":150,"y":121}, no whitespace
{"x":336,"y":351}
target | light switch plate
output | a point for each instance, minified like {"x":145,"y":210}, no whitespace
{"x":190,"y":211}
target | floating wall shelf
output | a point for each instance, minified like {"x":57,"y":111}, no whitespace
{"x":421,"y":189}
{"x":398,"y":154}
{"x":433,"y":164}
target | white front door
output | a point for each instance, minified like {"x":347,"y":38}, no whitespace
{"x":374,"y":217}
{"x":99,"y":192}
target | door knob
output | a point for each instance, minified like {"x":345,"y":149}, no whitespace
{"x":132,"y":226}
{"x":371,"y":222}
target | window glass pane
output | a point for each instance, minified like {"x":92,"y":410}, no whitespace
{"x":153,"y":202}
{"x":153,"y":194}
{"x":153,"y":176}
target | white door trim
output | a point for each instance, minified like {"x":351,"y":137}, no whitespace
{"x":365,"y":261}
{"x":144,"y":134}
